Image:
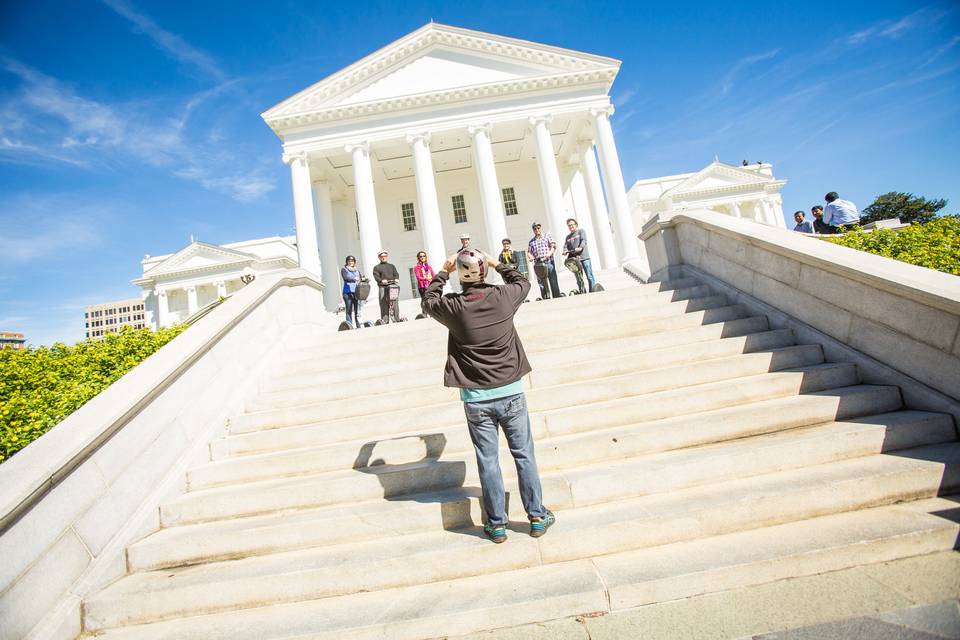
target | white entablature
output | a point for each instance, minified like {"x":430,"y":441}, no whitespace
{"x":177,"y":285}
{"x":744,"y":191}
{"x":447,"y":131}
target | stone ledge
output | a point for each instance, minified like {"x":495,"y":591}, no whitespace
{"x":929,"y":287}
{"x":45,"y":462}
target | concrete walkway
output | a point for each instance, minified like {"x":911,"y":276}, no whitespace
{"x":913,"y":598}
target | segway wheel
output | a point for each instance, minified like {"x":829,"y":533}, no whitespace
{"x":574,"y":292}
{"x":420,"y":316}
{"x":598,"y":287}
{"x":344,"y":326}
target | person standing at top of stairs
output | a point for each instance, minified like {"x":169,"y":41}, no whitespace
{"x":486,"y":361}
{"x":385,"y":273}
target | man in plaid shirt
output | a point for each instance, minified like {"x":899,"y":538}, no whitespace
{"x":540,"y":252}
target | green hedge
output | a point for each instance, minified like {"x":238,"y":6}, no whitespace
{"x":934,"y":244}
{"x":41,"y":386}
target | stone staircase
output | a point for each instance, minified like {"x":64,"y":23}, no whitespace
{"x":685,"y":446}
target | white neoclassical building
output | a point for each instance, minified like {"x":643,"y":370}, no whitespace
{"x":743,"y":191}
{"x":177,"y":285}
{"x":449,"y":131}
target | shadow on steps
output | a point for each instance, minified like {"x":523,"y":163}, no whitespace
{"x":409,"y":468}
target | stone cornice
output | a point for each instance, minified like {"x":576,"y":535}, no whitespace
{"x":335,"y":113}
{"x":427,"y":37}
{"x":214,"y":268}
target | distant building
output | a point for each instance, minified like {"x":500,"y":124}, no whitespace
{"x":177,"y":285}
{"x":12,"y":340}
{"x":108,"y":317}
{"x":747,"y":191}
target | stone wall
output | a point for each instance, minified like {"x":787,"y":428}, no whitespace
{"x":905,"y":318}
{"x":71,"y":502}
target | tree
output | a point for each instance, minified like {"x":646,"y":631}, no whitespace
{"x":906,"y":206}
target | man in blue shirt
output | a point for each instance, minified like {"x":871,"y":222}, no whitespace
{"x":839,"y":213}
{"x":802,"y":225}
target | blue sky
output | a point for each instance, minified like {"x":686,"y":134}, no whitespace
{"x":127,"y":125}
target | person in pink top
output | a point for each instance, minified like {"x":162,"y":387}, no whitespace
{"x":423,"y":272}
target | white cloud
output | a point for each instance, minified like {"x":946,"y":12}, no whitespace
{"x":726,"y":83}
{"x":70,"y":128}
{"x":170,"y":42}
{"x":942,"y":51}
{"x":43,"y":228}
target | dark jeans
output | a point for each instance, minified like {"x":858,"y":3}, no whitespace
{"x":510,"y":413}
{"x":552,"y":277}
{"x":351,"y":306}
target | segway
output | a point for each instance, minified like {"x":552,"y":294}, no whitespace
{"x":573,"y":264}
{"x":542,"y":273}
{"x":393,"y":304}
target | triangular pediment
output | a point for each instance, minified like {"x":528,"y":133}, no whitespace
{"x":199,"y":255}
{"x":436,"y":59}
{"x":716,"y":176}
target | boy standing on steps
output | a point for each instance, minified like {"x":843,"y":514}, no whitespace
{"x":485,"y":359}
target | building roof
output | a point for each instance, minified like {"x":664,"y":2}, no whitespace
{"x":714,"y":179}
{"x":439,"y":64}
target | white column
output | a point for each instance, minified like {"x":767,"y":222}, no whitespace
{"x":191,"y":301}
{"x":370,"y":243}
{"x":735,"y":207}
{"x":613,"y":185}
{"x":549,"y":179}
{"x":307,"y":252}
{"x":591,"y":176}
{"x":221,"y":289}
{"x":777,"y":205}
{"x":581,"y":204}
{"x":430,"y":223}
{"x":494,"y":219}
{"x":163,"y":309}
{"x":329,"y":260}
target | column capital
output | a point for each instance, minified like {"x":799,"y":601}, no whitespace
{"x":191,"y":289}
{"x":354,"y":146}
{"x":607,"y":111}
{"x":546,"y":119}
{"x":484,"y":127}
{"x":162,"y":293}
{"x":413,"y":138}
{"x":300,"y":156}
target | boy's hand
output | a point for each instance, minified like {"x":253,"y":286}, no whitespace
{"x":451,"y":264}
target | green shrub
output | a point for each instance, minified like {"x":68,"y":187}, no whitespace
{"x":935,"y":244}
{"x":41,"y":386}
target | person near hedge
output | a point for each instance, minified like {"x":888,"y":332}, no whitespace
{"x":839,"y":213}
{"x":423,"y":272}
{"x":803,"y":226}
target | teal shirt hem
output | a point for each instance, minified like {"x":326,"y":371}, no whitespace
{"x":478,"y":395}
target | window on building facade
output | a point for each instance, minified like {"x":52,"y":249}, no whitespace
{"x":409,"y":218}
{"x":459,"y":209}
{"x":509,"y":201}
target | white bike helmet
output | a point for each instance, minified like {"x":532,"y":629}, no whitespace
{"x":471,"y":266}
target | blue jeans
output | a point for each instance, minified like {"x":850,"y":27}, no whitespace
{"x":350,"y":306}
{"x":510,"y":413}
{"x":589,"y":271}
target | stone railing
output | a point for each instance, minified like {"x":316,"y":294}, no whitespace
{"x":899,"y":322}
{"x":73,"y":500}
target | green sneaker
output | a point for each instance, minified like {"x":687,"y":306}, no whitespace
{"x":496,"y":532}
{"x":539,"y":526}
